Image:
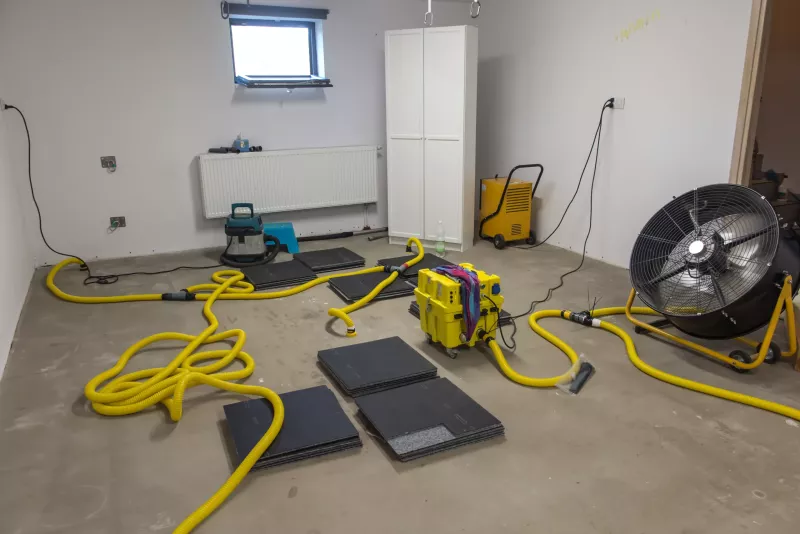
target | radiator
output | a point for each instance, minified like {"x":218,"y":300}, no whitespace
{"x":289,"y":180}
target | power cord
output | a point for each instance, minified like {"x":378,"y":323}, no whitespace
{"x":596,"y":141}
{"x":90,"y":278}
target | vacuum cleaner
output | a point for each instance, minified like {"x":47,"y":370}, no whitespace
{"x":248,"y":246}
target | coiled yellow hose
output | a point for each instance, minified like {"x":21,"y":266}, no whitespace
{"x":134,"y":392}
{"x":115,"y":395}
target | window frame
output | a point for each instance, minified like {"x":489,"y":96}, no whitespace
{"x":286,"y":80}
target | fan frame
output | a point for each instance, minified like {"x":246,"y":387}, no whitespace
{"x":784,"y":302}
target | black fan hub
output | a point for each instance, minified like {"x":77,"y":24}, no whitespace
{"x":709,"y":261}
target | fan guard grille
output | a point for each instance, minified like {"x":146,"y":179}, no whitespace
{"x":704,"y":250}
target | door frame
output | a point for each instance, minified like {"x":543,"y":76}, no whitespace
{"x":750,"y":96}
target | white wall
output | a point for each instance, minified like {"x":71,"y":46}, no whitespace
{"x":150,"y":82}
{"x":779,"y":117}
{"x":547,"y":67}
{"x":16,"y":267}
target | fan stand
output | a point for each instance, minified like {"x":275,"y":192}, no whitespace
{"x":784,"y":302}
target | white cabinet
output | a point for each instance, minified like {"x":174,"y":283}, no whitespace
{"x":431,"y":100}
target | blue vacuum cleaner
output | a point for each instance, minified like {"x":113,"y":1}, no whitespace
{"x":248,"y":246}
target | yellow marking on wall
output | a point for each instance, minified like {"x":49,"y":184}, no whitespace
{"x":637,"y":26}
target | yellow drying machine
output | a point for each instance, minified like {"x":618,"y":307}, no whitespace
{"x":441,"y":312}
{"x":507,"y":208}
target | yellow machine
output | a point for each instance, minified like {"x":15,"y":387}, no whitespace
{"x":441,"y":312}
{"x":507,"y":208}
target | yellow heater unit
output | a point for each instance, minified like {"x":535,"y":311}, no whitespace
{"x":441,"y":313}
{"x":507,"y":208}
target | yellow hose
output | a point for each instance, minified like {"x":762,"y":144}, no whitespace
{"x":240,"y":289}
{"x":786,"y":411}
{"x":538,"y":382}
{"x":115,"y":395}
{"x":134,"y":392}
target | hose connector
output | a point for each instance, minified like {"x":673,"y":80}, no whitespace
{"x":583,"y":318}
{"x":179,"y":296}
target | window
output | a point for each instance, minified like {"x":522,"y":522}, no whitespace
{"x":269,"y":53}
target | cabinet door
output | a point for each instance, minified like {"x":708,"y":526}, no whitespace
{"x":444,"y":83}
{"x":404,"y":131}
{"x":444,"y":181}
{"x":405,"y":165}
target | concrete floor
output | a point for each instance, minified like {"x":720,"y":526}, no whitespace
{"x":629,"y":455}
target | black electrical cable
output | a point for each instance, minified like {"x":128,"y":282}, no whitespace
{"x":598,"y":134}
{"x":608,"y":103}
{"x":90,"y":278}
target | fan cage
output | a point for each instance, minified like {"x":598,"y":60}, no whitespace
{"x":704,"y":250}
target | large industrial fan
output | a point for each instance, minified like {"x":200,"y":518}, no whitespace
{"x":717,"y":264}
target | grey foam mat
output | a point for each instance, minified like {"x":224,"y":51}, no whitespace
{"x":505,"y":317}
{"x":375,"y":366}
{"x":353,"y":288}
{"x":314,"y":424}
{"x":332,"y":259}
{"x":426,"y":418}
{"x":275,"y":275}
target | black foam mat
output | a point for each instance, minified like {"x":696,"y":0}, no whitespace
{"x":429,"y":261}
{"x":353,"y":288}
{"x":426,"y":418}
{"x":375,"y":366}
{"x":274,"y":275}
{"x":333,"y":259}
{"x":505,"y":317}
{"x":314,"y":425}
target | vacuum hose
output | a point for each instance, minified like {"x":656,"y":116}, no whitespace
{"x":113,"y":394}
{"x":630,"y":347}
{"x":135,"y":392}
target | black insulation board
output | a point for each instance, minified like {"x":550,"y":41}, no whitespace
{"x":505,"y":317}
{"x":429,"y":261}
{"x":333,"y":259}
{"x":426,"y":418}
{"x":314,"y":425}
{"x":353,"y":288}
{"x":273,"y":275}
{"x":375,"y":366}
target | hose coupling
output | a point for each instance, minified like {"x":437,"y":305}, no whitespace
{"x":484,"y":336}
{"x":583,"y":318}
{"x":182,"y":295}
{"x":395,"y":269}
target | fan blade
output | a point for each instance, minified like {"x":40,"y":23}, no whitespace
{"x":745,"y":238}
{"x":718,"y":291}
{"x":666,"y":276}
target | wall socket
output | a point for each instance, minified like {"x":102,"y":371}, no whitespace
{"x":109,"y":162}
{"x":118,"y":222}
{"x":619,"y":102}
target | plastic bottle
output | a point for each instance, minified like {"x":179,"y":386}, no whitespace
{"x":440,"y":238}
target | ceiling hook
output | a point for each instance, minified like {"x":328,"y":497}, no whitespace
{"x":475,"y":13}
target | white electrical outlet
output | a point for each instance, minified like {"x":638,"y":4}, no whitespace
{"x":619,"y":102}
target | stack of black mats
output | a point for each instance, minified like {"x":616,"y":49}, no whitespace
{"x":375,"y":366}
{"x":276,"y":275}
{"x":505,"y":317}
{"x":429,"y":261}
{"x":333,"y":259}
{"x":314,"y":425}
{"x":426,"y":418}
{"x":353,"y":288}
